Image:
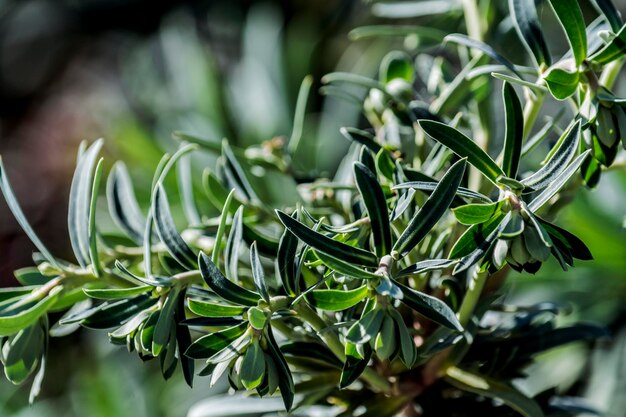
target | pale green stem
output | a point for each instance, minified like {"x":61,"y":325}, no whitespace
{"x":531,"y":111}
{"x":471,"y":297}
{"x":318,"y":324}
{"x":610,"y":73}
{"x":472,"y":20}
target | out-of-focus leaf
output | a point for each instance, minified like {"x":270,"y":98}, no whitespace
{"x":362,"y":137}
{"x":31,"y":275}
{"x":337,"y":300}
{"x":523,"y":83}
{"x":483,"y":47}
{"x":327,"y":245}
{"x":396,"y":65}
{"x":462,"y":146}
{"x":571,"y":18}
{"x":299,"y":114}
{"x":168,"y":234}
{"x":431,"y":211}
{"x":14,"y":206}
{"x":529,"y":30}
{"x":490,"y":388}
{"x":427,"y":34}
{"x":376,"y":206}
{"x":226,"y":289}
{"x":123,"y":205}
{"x":514,"y":130}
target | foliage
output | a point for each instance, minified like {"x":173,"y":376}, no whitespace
{"x":375,"y":293}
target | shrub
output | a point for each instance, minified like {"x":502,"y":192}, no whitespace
{"x":377,"y":293}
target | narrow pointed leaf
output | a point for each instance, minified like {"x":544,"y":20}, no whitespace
{"x":376,"y":206}
{"x":252,"y":367}
{"x":345,"y":268}
{"x":185,"y":187}
{"x":226,"y":289}
{"x":462,"y":146}
{"x":221,"y":229}
{"x":430,"y":307}
{"x":206,"y":309}
{"x":231,"y":256}
{"x":514,"y":130}
{"x":558,"y":182}
{"x":470,"y":214}
{"x":209,"y":345}
{"x":431,"y":211}
{"x":430,"y":186}
{"x":483,"y":47}
{"x":426,"y":266}
{"x":566,"y":148}
{"x":610,"y":12}
{"x":164,"y":325}
{"x":286,"y":262}
{"x":362,"y":137}
{"x":123,"y":205}
{"x":79,"y":203}
{"x":92,"y":232}
{"x":490,"y":388}
{"x":167,"y":232}
{"x":116,"y":293}
{"x":327,"y":245}
{"x":613,"y":50}
{"x":257,"y":272}
{"x":571,"y":18}
{"x":285,"y":379}
{"x":529,"y":30}
{"x":14,"y":318}
{"x":336,"y":300}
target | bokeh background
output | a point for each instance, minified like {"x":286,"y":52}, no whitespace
{"x":134,"y":71}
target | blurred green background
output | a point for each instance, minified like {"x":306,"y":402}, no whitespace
{"x":134,"y":71}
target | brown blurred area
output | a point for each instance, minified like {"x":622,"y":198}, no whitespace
{"x":60,"y":84}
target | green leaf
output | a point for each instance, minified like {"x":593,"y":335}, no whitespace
{"x":183,"y":339}
{"x":576,"y":246}
{"x":563,"y":152}
{"x":24,"y":353}
{"x":610,"y":12}
{"x":209,"y":345}
{"x":257,"y":272}
{"x":236,"y":175}
{"x":185,"y":188}
{"x":407,"y":346}
{"x":14,"y":206}
{"x":385,"y":343}
{"x":394,"y":65}
{"x":108,"y":315}
{"x":514,"y":226}
{"x":432,"y":210}
{"x":562,"y":83}
{"x":490,"y":388}
{"x":31,"y":276}
{"x":430,"y":186}
{"x":226,"y":289}
{"x":523,"y":83}
{"x":355,"y":364}
{"x":362,"y":137}
{"x":430,"y":307}
{"x":299,"y":114}
{"x":558,"y":182}
{"x":571,"y":18}
{"x":79,"y":203}
{"x":286,"y":262}
{"x":470,"y":214}
{"x":231,"y":256}
{"x":423,"y":33}
{"x":615,"y":49}
{"x":426,"y":266}
{"x":376,"y":206}
{"x":345,"y":268}
{"x":366,"y":327}
{"x":462,"y":146}
{"x":483,"y":47}
{"x":221,"y":229}
{"x":92,"y":232}
{"x":327,"y":245}
{"x":252,"y":367}
{"x":354,"y":79}
{"x":337,"y":300}
{"x":115,"y":293}
{"x":206,"y":309}
{"x":285,"y":379}
{"x":164,"y":325}
{"x":123,"y":205}
{"x":474,"y":236}
{"x":528,"y":28}
{"x":514,"y":130}
{"x":166,"y":229}
{"x":19,"y":315}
